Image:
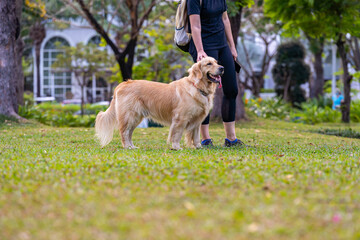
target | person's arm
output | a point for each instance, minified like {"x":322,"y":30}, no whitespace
{"x":228,"y":34}
{"x":195,"y":24}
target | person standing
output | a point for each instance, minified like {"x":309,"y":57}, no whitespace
{"x":338,"y":99}
{"x":211,"y":36}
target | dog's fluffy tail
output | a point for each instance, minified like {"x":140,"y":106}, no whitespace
{"x":105,"y":124}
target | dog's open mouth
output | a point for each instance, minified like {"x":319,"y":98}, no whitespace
{"x":215,"y":78}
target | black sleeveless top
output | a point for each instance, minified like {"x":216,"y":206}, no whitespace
{"x":212,"y":27}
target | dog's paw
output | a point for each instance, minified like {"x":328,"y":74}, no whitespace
{"x":198,"y":146}
{"x":176,"y":148}
{"x":131,"y":147}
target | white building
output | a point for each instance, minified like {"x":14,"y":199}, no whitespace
{"x":63,"y":85}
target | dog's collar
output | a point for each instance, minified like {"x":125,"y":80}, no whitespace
{"x":205,"y":94}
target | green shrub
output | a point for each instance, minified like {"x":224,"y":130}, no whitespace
{"x":321,"y":102}
{"x":96,"y":108}
{"x":28,"y":98}
{"x":355,"y":111}
{"x":57,"y":107}
{"x":310,"y":112}
{"x":275,"y":109}
{"x":313,"y":114}
{"x":55,"y":114}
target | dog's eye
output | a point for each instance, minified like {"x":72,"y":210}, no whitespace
{"x":209,"y":64}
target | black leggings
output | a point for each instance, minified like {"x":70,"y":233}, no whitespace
{"x":229,"y":84}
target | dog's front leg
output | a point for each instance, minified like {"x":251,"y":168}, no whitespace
{"x":176,"y":131}
{"x":196,"y":137}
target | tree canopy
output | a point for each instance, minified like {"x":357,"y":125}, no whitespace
{"x":332,"y":19}
{"x":316,"y":17}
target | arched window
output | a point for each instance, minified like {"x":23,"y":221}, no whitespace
{"x":95,"y":40}
{"x":55,"y":84}
{"x":97,"y":92}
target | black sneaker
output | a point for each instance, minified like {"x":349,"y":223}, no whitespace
{"x":236,"y":142}
{"x":207,"y":143}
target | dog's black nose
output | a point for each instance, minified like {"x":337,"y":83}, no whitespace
{"x":221,"y":69}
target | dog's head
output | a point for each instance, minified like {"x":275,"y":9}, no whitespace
{"x":207,"y":70}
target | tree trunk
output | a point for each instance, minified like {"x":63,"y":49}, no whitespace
{"x":240,"y":105}
{"x":235,"y":22}
{"x":19,"y":71}
{"x":311,"y":85}
{"x":82,"y":101}
{"x":357,"y":53}
{"x":216,"y":111}
{"x":317,"y":85}
{"x":124,"y":59}
{"x":130,"y":54}
{"x":257,"y":84}
{"x":287,"y":88}
{"x":120,"y":58}
{"x":125,"y":73}
{"x":19,"y":48}
{"x":345,"y":106}
{"x":9,"y":33}
{"x":319,"y":70}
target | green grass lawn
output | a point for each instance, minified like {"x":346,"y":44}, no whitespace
{"x":57,"y":183}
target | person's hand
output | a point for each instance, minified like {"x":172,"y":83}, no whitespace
{"x":200,"y":55}
{"x":234,"y":53}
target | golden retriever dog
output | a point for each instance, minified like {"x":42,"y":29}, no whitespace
{"x":182,"y":104}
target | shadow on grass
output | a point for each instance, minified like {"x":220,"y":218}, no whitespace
{"x":348,"y":133}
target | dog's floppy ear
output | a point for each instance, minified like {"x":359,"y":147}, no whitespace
{"x":195,"y":70}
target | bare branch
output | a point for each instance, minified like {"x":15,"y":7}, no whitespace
{"x":247,"y":55}
{"x":246,"y":83}
{"x":100,"y":30}
{"x":155,"y":18}
{"x":61,"y":10}
{"x":354,"y":52}
{"x":113,"y":16}
{"x":357,"y":53}
{"x":145,"y":16}
{"x":273,"y":39}
{"x":74,"y":7}
{"x":246,"y":71}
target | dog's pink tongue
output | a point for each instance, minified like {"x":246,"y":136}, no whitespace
{"x":220,"y":84}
